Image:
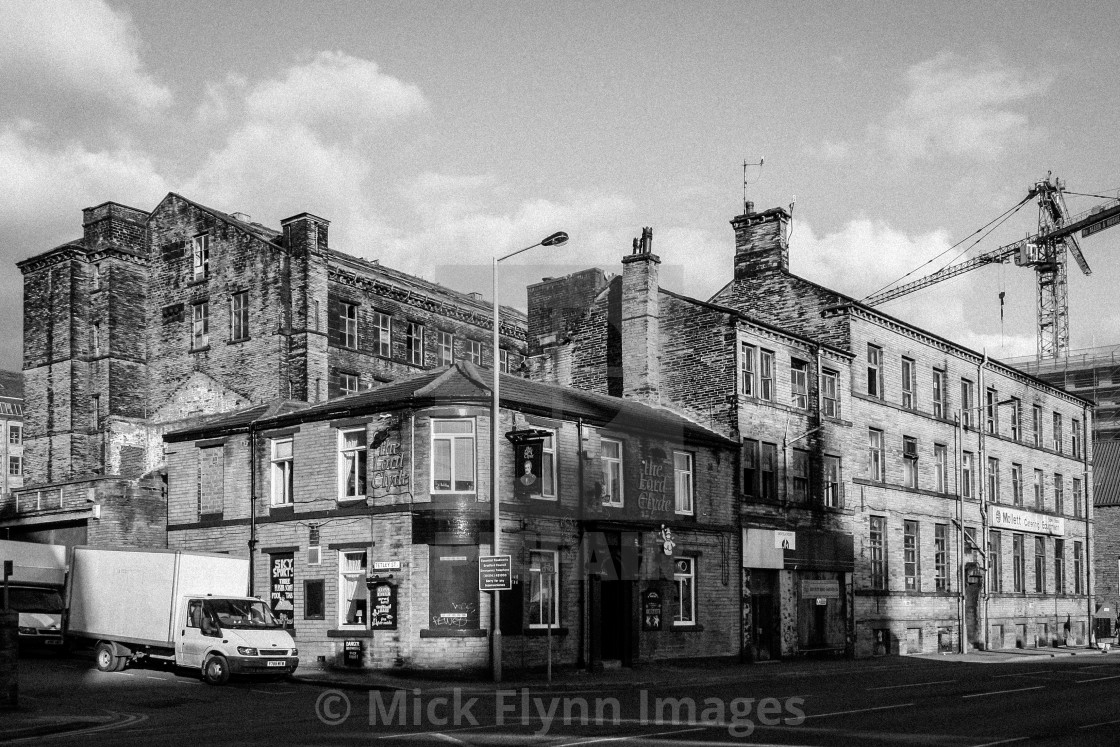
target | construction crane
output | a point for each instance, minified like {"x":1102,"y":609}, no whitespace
{"x":1045,"y":251}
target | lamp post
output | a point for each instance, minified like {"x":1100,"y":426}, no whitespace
{"x":555,"y":239}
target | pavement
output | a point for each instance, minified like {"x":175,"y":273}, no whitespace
{"x":34,"y":720}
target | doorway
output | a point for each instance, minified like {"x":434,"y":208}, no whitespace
{"x":616,"y":621}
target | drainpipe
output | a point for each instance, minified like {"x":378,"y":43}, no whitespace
{"x":581,"y":660}
{"x":982,"y":469}
{"x":252,"y":504}
{"x":1086,"y":485}
{"x":962,"y":632}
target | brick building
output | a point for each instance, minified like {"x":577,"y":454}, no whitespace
{"x":898,"y":466}
{"x":11,"y":430}
{"x":626,"y":540}
{"x":153,"y":319}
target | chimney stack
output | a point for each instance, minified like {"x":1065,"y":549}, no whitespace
{"x":761,"y":241}
{"x":641,"y":322}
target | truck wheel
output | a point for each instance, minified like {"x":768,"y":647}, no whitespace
{"x":106,"y":658}
{"x":215,"y":671}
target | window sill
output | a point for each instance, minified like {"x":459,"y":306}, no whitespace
{"x":202,"y":349}
{"x":198,"y":280}
{"x":460,"y":633}
{"x":238,"y":341}
{"x":690,"y":628}
{"x":347,"y":633}
{"x":351,"y":501}
{"x":286,"y":509}
{"x":540,"y":632}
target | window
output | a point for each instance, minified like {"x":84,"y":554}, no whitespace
{"x":911,"y":568}
{"x":15,"y":465}
{"x":453,"y":456}
{"x":95,"y":338}
{"x":1059,"y":494}
{"x":991,"y":410}
{"x":875,"y":454}
{"x":1078,"y":587}
{"x":1018,"y":563}
{"x":211,"y":480}
{"x":910,"y":461}
{"x":1058,"y":432}
{"x":347,"y":383}
{"x":1016,"y":431}
{"x":830,"y":393}
{"x":940,"y":467}
{"x":200,"y":254}
{"x":1036,"y":416}
{"x":544,"y":588}
{"x":799,"y":471}
{"x":682,"y":481}
{"x":472,"y":351}
{"x":282,"y":471}
{"x":747,"y":370}
{"x":939,"y":404}
{"x":612,"y":471}
{"x":314,"y":599}
{"x":503,"y":361}
{"x":445,"y":348}
{"x":453,"y":596}
{"x":1075,"y":437}
{"x":878,"y":544}
{"x":995,"y":562}
{"x":993,"y":480}
{"x":750,"y":467}
{"x":1059,"y":566}
{"x":874,"y":371}
{"x":967,"y":470}
{"x":351,"y":464}
{"x":832,"y":481}
{"x":15,"y":434}
{"x":383,"y":334}
{"x":349,"y":318}
{"x":1077,"y":496}
{"x":766,"y":375}
{"x":352,"y":594}
{"x":414,"y":341}
{"x":941,"y":557}
{"x":95,"y":279}
{"x":968,"y":402}
{"x":1039,"y":565}
{"x":908,"y":384}
{"x":239,"y":316}
{"x":770,"y":471}
{"x":200,"y":326}
{"x":684,"y":591}
{"x":548,"y":466}
{"x":1038,"y":499}
{"x":1017,"y":484}
{"x":799,"y":383}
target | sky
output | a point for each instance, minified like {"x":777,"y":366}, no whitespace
{"x":435,"y":136}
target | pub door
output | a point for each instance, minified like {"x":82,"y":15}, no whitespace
{"x":972,"y":605}
{"x":616,"y":621}
{"x":765,"y":639}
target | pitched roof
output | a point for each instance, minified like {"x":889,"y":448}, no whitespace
{"x":264,"y":233}
{"x":1106,"y":473}
{"x":465,"y":382}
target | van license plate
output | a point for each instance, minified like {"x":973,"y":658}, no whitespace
{"x":277,"y":663}
{"x":53,"y":642}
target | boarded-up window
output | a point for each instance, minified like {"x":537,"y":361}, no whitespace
{"x":132,"y":461}
{"x":211,"y":477}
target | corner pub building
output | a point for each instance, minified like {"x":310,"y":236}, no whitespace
{"x":369,"y":514}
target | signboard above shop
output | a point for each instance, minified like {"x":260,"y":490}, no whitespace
{"x":1027,"y":521}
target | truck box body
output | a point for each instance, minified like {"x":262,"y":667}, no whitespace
{"x":134,"y":595}
{"x":36,"y":584}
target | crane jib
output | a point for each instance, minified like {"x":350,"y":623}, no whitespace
{"x":1100,"y":225}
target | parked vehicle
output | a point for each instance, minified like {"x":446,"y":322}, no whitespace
{"x":182,"y":607}
{"x":35,"y":590}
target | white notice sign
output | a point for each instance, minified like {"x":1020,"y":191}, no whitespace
{"x":1027,"y":521}
{"x":785,"y":540}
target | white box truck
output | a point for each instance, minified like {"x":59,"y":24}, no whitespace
{"x":35,"y":590}
{"x":187,"y":608}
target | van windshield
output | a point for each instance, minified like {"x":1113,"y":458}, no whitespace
{"x":243,"y":614}
{"x":35,"y":600}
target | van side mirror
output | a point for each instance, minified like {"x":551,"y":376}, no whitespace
{"x":210,"y":628}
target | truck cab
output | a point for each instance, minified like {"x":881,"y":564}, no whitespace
{"x":35,"y":591}
{"x":232,"y":635}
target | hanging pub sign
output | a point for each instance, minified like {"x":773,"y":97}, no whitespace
{"x":651,"y":609}
{"x":383,"y":601}
{"x":527,"y":460}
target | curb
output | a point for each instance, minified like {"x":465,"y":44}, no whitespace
{"x":43,"y":730}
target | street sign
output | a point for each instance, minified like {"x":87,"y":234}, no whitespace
{"x":495,"y":573}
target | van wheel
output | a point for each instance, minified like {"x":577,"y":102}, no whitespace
{"x":106,"y":658}
{"x":215,"y":671}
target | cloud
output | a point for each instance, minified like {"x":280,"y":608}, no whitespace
{"x":959,"y":109}
{"x":827,"y":149}
{"x":81,"y":49}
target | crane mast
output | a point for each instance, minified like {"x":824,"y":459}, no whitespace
{"x":1045,"y":252}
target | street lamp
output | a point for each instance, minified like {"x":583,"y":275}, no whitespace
{"x":555,"y":239}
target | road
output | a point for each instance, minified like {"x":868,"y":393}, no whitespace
{"x":886,"y":701}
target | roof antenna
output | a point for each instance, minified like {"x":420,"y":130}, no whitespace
{"x":748,"y":207}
